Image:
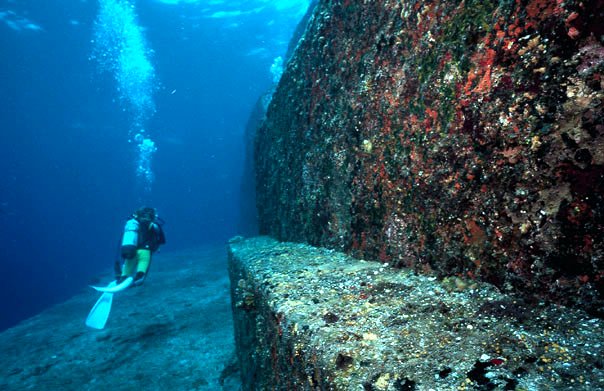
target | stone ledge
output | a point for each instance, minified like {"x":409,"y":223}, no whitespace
{"x":309,"y":318}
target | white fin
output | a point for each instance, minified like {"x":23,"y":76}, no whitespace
{"x":112,"y":288}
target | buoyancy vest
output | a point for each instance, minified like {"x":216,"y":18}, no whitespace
{"x":148,"y":236}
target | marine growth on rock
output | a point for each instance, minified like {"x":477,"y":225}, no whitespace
{"x":457,"y":138}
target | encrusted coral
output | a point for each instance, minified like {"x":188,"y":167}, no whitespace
{"x":453,"y":137}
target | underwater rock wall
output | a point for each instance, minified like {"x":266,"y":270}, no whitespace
{"x":452,"y":137}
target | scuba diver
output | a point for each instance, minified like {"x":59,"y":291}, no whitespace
{"x":143,"y":234}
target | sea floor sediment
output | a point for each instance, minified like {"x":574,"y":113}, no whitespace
{"x":173,"y":333}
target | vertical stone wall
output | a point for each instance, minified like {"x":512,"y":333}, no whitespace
{"x":460,"y":137}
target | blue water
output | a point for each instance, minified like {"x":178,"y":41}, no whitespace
{"x":71,"y":164}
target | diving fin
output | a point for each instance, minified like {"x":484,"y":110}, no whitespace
{"x":100,"y":312}
{"x":112,"y":288}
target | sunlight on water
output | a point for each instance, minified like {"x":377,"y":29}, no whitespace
{"x":18,"y":22}
{"x":120,"y":49}
{"x":231,"y":9}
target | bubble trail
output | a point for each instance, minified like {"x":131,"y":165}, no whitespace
{"x":120,"y":49}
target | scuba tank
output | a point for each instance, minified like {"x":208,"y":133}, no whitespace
{"x":130,"y":237}
{"x":143,"y":230}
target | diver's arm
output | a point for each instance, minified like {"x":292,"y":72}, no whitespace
{"x":161,"y":238}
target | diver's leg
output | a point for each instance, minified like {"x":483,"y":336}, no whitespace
{"x":128,"y":268}
{"x":142,"y":268}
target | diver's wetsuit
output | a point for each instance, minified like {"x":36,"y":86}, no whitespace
{"x":149,"y":236}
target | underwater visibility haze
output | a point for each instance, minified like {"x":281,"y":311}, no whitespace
{"x":422,"y":211}
{"x":112,"y":104}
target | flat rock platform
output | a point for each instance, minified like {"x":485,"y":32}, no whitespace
{"x":308,"y":318}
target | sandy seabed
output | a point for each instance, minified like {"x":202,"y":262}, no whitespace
{"x":173,"y":333}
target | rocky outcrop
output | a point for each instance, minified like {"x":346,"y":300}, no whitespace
{"x":315,"y":319}
{"x":248,"y":219}
{"x":461,"y":138}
